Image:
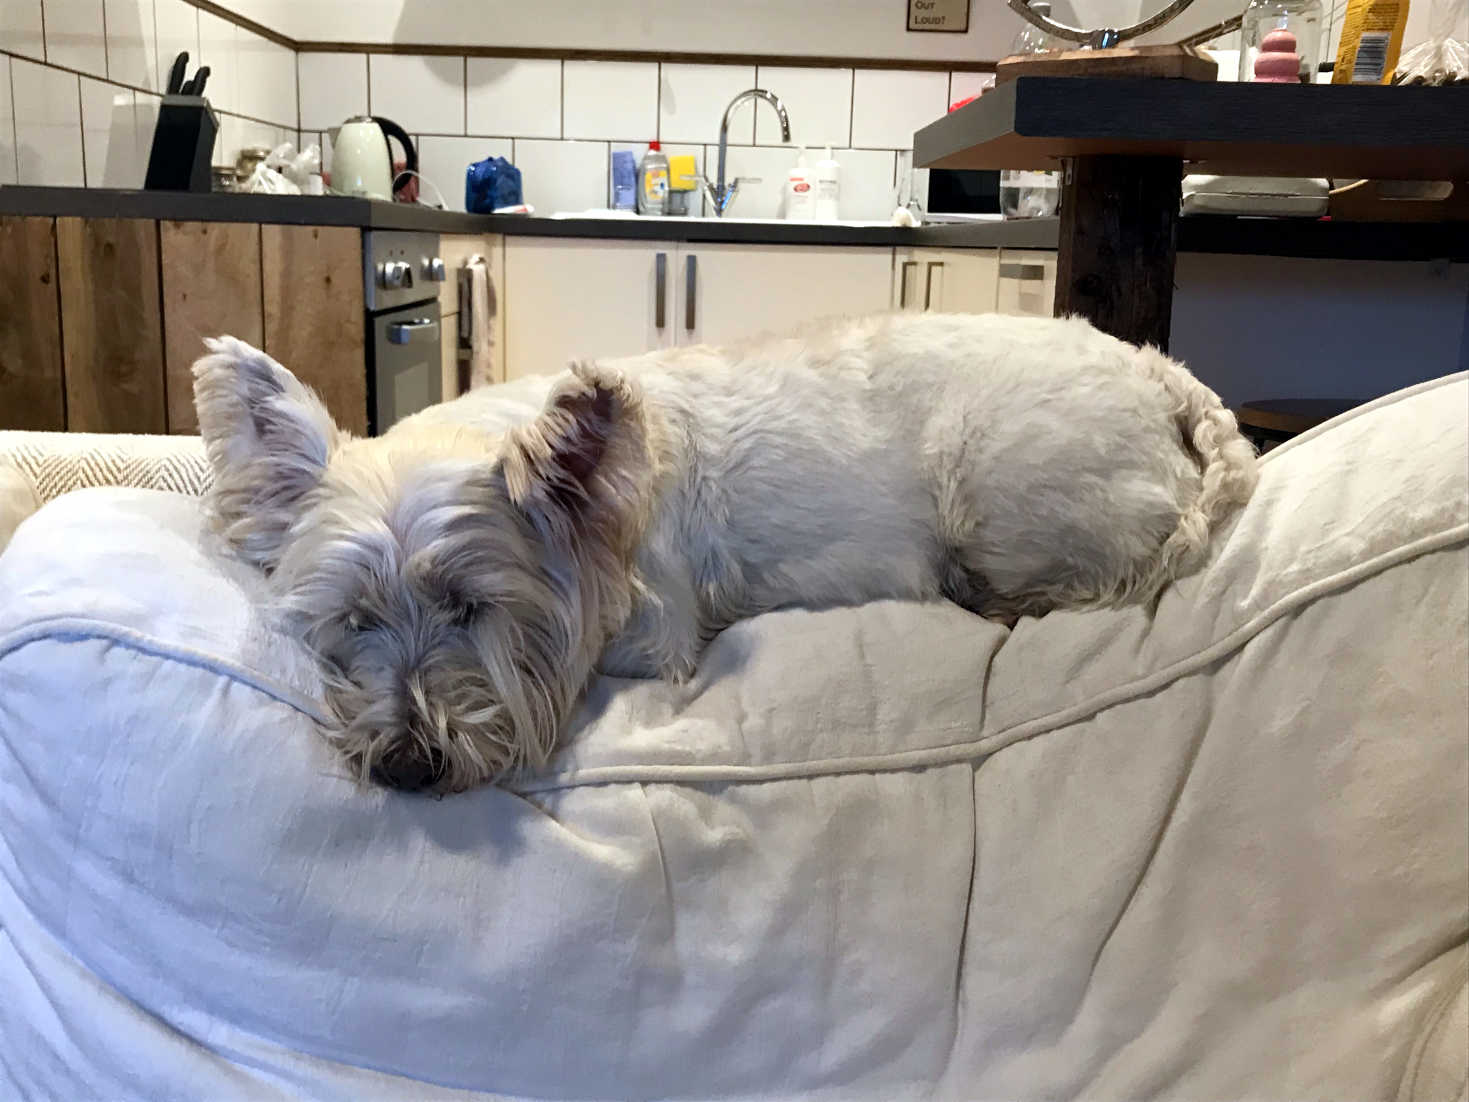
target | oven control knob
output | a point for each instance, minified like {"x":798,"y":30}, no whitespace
{"x":393,"y":274}
{"x":433,"y":269}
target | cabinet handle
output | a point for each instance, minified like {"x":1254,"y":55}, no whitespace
{"x":413,"y":332}
{"x":928,"y":283}
{"x":660,"y":290}
{"x":903,"y":282}
{"x":691,"y":292}
{"x":1014,"y":270}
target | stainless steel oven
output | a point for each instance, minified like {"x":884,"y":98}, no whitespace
{"x":403,"y":273}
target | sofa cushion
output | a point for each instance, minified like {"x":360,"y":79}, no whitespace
{"x":1213,"y":848}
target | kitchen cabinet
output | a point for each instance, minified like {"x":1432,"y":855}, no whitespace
{"x":574,"y":299}
{"x":111,"y":325}
{"x":732,"y":292}
{"x":32,"y":383}
{"x":953,"y":281}
{"x":1027,"y":282}
{"x":211,"y":286}
{"x":313,"y":313}
{"x":568,"y":299}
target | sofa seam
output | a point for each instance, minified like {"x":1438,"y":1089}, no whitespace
{"x":943,"y":755}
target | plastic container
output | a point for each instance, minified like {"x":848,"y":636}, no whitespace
{"x":624,"y":180}
{"x":1031,"y":194}
{"x":828,"y":188}
{"x":653,"y":181}
{"x":800,"y":192}
{"x":1263,"y":19}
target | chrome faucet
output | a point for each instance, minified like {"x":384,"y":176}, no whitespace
{"x":719,"y":194}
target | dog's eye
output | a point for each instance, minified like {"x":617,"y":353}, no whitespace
{"x":361,"y":620}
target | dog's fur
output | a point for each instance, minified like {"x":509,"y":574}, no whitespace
{"x":460,"y":577}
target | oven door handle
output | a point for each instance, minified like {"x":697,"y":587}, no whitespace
{"x":417,"y":331}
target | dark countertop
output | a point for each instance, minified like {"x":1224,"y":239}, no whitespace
{"x":1240,"y":128}
{"x":1206,"y":234}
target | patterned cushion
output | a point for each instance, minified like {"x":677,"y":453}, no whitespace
{"x":38,"y":466}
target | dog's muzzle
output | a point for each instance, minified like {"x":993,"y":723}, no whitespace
{"x":409,"y":767}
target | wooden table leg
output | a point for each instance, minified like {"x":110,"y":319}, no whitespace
{"x":1118,"y":241}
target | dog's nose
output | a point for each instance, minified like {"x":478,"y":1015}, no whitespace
{"x":409,"y":766}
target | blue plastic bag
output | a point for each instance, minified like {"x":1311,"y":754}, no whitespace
{"x":491,"y":184}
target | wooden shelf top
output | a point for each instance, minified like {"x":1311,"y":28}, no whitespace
{"x":1330,"y":130}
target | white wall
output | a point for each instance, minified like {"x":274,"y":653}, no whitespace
{"x":848,"y":28}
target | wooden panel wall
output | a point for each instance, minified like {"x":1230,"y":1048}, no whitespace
{"x":315,"y":313}
{"x":32,"y":391}
{"x":111,"y":324}
{"x":211,"y":287}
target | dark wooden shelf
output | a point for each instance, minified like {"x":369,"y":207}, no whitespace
{"x":1243,"y":129}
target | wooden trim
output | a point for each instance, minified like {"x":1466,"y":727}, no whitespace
{"x":245,"y":24}
{"x":799,"y":61}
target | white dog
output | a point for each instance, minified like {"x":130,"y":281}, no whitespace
{"x":460,"y":577}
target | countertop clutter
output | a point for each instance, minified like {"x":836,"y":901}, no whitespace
{"x":1198,"y":234}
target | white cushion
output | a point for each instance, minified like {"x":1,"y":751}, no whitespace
{"x":1210,"y":850}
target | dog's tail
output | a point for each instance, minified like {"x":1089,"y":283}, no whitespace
{"x":1225,"y":457}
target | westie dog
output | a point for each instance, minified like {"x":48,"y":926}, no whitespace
{"x":460,"y":577}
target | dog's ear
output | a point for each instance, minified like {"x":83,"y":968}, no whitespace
{"x":268,"y":438}
{"x":567,"y":459}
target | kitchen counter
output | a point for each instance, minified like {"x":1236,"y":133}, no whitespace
{"x":1201,"y":234}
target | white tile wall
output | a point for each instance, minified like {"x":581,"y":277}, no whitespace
{"x":7,"y":125}
{"x":559,"y":176}
{"x":421,"y":94}
{"x":615,"y":100}
{"x":520,"y":97}
{"x":333,"y":88}
{"x":443,"y":161}
{"x":20,"y":28}
{"x":48,"y":129}
{"x":74,"y":35}
{"x":692,"y":99}
{"x":817,"y":101}
{"x":964,"y":85}
{"x":888,"y":105}
{"x":219,"y":49}
{"x":115,"y":151}
{"x":132,"y":44}
{"x":178,"y":32}
{"x":867,"y":182}
{"x":558,"y":120}
{"x":267,"y":83}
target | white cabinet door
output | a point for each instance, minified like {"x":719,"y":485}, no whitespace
{"x":568,"y":299}
{"x":953,"y":281}
{"x":737,"y":291}
{"x":1027,"y":283}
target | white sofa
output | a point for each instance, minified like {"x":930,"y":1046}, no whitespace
{"x":1218,"y":849}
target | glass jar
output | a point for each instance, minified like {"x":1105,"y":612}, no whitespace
{"x":1300,"y":18}
{"x":1034,"y":194}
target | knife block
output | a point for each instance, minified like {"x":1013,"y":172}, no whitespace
{"x":183,"y":145}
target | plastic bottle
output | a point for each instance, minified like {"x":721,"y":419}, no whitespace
{"x":800,"y":193}
{"x":1030,"y":194}
{"x":828,"y":188}
{"x":653,"y":181}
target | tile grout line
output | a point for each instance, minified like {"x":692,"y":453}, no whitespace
{"x":81,"y":129}
{"x":106,"y":53}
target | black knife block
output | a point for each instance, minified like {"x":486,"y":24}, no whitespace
{"x":183,"y":145}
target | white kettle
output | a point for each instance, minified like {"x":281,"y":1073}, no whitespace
{"x":362,"y":160}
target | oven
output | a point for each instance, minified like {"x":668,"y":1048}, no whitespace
{"x":403,"y":274}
